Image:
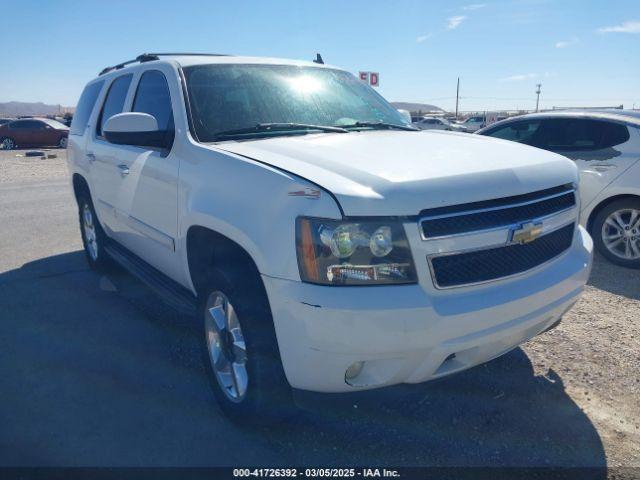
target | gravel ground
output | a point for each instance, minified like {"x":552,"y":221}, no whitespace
{"x":569,"y":397}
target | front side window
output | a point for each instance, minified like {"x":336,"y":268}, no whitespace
{"x":114,"y":103}
{"x":578,"y":134}
{"x":26,"y":125}
{"x":227,"y":97}
{"x":85,"y":107}
{"x":153,"y":97}
{"x":522,"y":132}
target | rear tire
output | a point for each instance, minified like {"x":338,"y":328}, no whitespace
{"x":93,"y":237}
{"x":62,"y":143}
{"x":616,"y":232}
{"x":7,"y":143}
{"x":240,"y":350}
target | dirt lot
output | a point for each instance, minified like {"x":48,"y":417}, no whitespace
{"x":97,"y":372}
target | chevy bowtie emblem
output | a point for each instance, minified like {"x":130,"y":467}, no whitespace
{"x":525,"y":233}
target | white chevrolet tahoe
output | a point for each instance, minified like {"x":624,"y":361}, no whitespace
{"x":323,"y":242}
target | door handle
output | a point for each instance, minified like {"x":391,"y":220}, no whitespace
{"x":124,"y":169}
{"x":603,"y":167}
{"x":91,"y":157}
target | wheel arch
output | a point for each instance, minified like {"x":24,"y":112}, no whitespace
{"x":207,"y":248}
{"x":80,"y":185}
{"x":603,"y":204}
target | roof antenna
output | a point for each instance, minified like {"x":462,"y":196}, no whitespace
{"x":319,"y":59}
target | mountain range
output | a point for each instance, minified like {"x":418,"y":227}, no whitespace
{"x":15,"y":109}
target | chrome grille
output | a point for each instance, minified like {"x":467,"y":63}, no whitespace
{"x":498,"y":213}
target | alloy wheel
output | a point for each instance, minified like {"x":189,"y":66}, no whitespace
{"x":621,"y":233}
{"x":226,"y":346}
{"x":90,"y":232}
{"x":7,"y":144}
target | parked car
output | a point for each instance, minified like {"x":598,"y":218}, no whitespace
{"x":33,"y":132}
{"x":474,"y":123}
{"x":438,"y":123}
{"x":333,"y":248}
{"x":6,"y":120}
{"x":605,"y":145}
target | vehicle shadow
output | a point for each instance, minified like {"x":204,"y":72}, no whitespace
{"x":496,"y":414}
{"x":615,"y":279}
{"x":97,"y":371}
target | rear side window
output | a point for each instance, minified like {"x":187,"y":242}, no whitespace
{"x":114,"y":103}
{"x":85,"y":107}
{"x":153,"y":97}
{"x":571,"y":134}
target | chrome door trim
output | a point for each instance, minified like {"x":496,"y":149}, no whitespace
{"x":151,"y":232}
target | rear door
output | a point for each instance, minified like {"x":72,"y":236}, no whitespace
{"x":600,"y":149}
{"x":108,"y":159}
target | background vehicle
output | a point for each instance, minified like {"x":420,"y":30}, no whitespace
{"x":473,"y":123}
{"x":33,"y":132}
{"x":605,"y":145}
{"x":6,"y":120}
{"x":320,"y":248}
{"x":438,"y":123}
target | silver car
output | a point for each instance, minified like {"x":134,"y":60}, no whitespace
{"x":605,"y":145}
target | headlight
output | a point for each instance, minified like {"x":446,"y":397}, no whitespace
{"x":367,"y":252}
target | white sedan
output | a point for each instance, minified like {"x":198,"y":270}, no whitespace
{"x":605,"y":145}
{"x":438,"y":123}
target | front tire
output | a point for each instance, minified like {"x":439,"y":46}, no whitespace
{"x":616,"y":232}
{"x":240,"y":351}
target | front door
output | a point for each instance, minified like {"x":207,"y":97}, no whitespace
{"x":148,"y":193}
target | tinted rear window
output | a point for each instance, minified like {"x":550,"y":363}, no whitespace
{"x":85,"y":107}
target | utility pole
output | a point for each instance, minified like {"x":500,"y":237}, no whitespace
{"x":457,"y":97}
{"x":538,"y":95}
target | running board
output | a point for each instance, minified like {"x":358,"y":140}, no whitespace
{"x":171,"y":292}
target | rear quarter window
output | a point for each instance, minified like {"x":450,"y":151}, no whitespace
{"x":85,"y":107}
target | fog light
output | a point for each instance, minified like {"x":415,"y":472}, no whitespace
{"x":353,"y":371}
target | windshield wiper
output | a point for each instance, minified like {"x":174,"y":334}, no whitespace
{"x":380,"y":125}
{"x":277,"y":127}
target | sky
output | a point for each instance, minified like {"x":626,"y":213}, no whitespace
{"x":583,"y":52}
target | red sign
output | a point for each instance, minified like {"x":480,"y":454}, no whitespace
{"x":374,"y":79}
{"x":364,"y":76}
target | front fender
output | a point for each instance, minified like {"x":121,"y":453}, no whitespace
{"x":253,"y":204}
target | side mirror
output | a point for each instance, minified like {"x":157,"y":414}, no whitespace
{"x":137,"y":129}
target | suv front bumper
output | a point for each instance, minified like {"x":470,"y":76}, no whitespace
{"x":405,"y":335}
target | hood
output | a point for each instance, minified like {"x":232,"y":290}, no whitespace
{"x":401,"y":173}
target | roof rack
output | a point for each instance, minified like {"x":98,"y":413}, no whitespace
{"x":148,"y":57}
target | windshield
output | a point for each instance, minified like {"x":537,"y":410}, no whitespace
{"x":230,"y":97}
